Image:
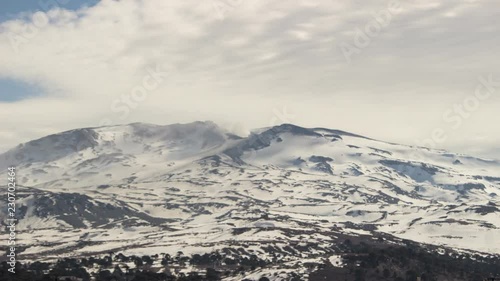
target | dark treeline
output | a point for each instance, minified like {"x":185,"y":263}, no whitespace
{"x":361,"y":261}
{"x":116,"y":268}
{"x":373,"y":262}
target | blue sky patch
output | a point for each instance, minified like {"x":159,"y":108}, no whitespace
{"x":14,"y":90}
{"x":10,"y":9}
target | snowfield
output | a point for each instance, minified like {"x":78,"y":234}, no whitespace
{"x":195,"y":188}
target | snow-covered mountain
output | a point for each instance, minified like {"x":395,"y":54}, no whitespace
{"x":144,"y":188}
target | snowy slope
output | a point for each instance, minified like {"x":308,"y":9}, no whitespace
{"x":143,"y":188}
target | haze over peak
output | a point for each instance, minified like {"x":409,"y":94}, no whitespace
{"x":256,"y":62}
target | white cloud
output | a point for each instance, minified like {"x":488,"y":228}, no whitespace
{"x":259,"y":56}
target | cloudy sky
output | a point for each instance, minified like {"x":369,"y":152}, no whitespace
{"x":419,"y":72}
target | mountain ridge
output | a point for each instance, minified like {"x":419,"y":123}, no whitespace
{"x":195,"y":185}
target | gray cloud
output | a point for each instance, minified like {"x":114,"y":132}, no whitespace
{"x":255,"y":57}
